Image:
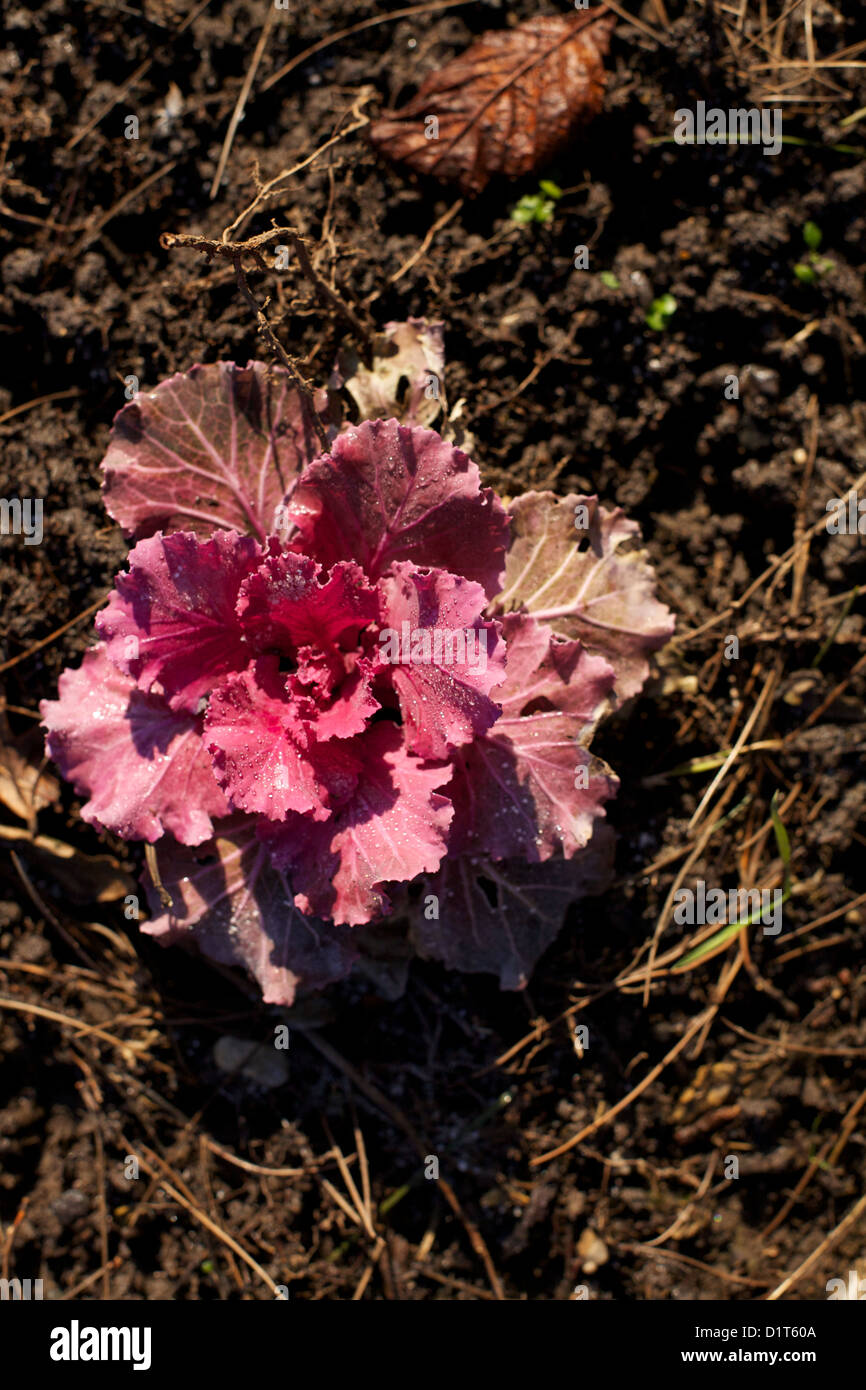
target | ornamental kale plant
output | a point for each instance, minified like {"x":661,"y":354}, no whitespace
{"x":338,"y":686}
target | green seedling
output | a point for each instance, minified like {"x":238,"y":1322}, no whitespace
{"x":812,"y":235}
{"x":608,"y":278}
{"x":537,"y":207}
{"x":812,"y":266}
{"x":660,"y":312}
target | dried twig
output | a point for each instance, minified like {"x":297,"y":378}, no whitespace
{"x":126,"y":1049}
{"x":836,"y":1143}
{"x":237,"y":114}
{"x":266,"y":191}
{"x":826,"y":1244}
{"x":9,"y":1238}
{"x":247,"y":1166}
{"x":382,"y":1103}
{"x":234,"y":252}
{"x":93,"y":231}
{"x":58,"y":632}
{"x":40,"y":400}
{"x":428,"y":240}
{"x":198,"y":1215}
{"x":152,"y":863}
{"x":330,"y":39}
{"x":691,"y":1263}
{"x":611,"y":1114}
{"x":778,"y":565}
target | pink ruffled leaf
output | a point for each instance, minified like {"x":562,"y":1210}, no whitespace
{"x":287,"y":604}
{"x":172,"y":618}
{"x":263,"y":754}
{"x":333,"y":694}
{"x":232,"y":904}
{"x":574,"y":565}
{"x":530,"y":788}
{"x":143,"y":767}
{"x":392,"y":828}
{"x":217,"y":446}
{"x":443,"y":657}
{"x":498,"y":918}
{"x":388,"y":492}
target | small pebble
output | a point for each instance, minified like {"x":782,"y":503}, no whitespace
{"x":592,"y":1251}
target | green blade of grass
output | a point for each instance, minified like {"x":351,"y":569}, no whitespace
{"x":859,"y":150}
{"x":709,"y":762}
{"x":393,"y":1198}
{"x":849,"y":604}
{"x":712,"y":944}
{"x":853,"y":118}
{"x":721,"y":938}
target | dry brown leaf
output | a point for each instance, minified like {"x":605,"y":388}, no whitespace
{"x":84,"y":878}
{"x":508,"y":105}
{"x":25,"y":784}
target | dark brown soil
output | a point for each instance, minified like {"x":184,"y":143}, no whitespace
{"x":106,"y":1040}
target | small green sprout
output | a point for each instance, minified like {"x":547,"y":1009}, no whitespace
{"x":537,"y":207}
{"x":660,"y":312}
{"x":812,"y":235}
{"x":813,"y":266}
{"x":608,"y":278}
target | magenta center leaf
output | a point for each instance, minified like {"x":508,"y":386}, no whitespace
{"x":393,"y":826}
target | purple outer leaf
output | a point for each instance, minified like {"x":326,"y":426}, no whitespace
{"x":386,"y":492}
{"x":230,"y":902}
{"x":506,"y":936}
{"x":144,"y":767}
{"x":514,"y":790}
{"x":215,"y":447}
{"x":546,"y":672}
{"x":603,"y":595}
